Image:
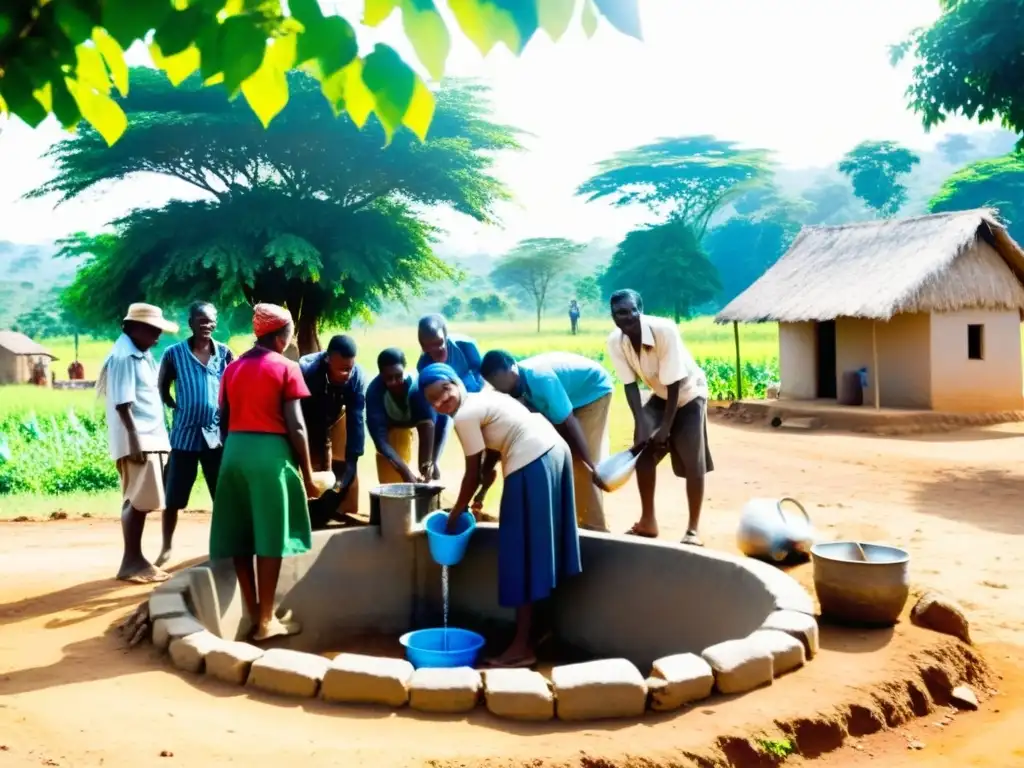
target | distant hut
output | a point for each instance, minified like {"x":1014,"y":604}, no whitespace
{"x":929,"y":306}
{"x":19,"y":356}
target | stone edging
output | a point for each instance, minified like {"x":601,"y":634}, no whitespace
{"x":593,"y":690}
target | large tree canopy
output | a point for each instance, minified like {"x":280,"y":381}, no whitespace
{"x":687,"y":179}
{"x":969,"y":63}
{"x":532,"y":265}
{"x":64,"y":57}
{"x":312,"y":213}
{"x":875,"y":169}
{"x":667,"y":265}
{"x":994,"y":183}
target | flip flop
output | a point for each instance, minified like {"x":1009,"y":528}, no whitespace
{"x":635,"y":531}
{"x":691,"y":539}
{"x":523,"y":662}
{"x":154,"y":577}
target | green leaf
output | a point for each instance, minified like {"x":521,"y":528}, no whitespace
{"x":421,"y":110}
{"x":428,"y":34}
{"x":622,"y":14}
{"x":305,"y":11}
{"x":102,"y":112}
{"x":210,"y":45}
{"x":243,"y":46}
{"x":392,"y":84}
{"x":180,"y":30}
{"x":90,"y":68}
{"x":16,"y":90}
{"x":346,"y":91}
{"x":555,"y":16}
{"x":177,"y":67}
{"x":331,"y":41}
{"x":130,"y":20}
{"x":589,"y":18}
{"x":377,"y":11}
{"x":73,"y":22}
{"x":267,"y":89}
{"x":114,"y":56}
{"x":65,"y":108}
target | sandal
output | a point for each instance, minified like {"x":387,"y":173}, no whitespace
{"x":691,"y":539}
{"x":635,"y":531}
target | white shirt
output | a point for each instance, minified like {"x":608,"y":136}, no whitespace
{"x":131,"y":377}
{"x":663,"y":360}
{"x":501,"y":423}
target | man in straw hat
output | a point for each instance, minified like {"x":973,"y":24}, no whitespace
{"x":138,"y":438}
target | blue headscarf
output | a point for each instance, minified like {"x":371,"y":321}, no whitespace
{"x":436,"y":372}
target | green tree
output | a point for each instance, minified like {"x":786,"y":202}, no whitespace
{"x":667,"y":265}
{"x":531,"y":266}
{"x":587,"y":290}
{"x":64,"y":57}
{"x":968,"y":63}
{"x":875,"y":169}
{"x":47,"y":319}
{"x":831,"y":202}
{"x":452,"y":307}
{"x":994,"y":183}
{"x":685,"y":179}
{"x":312,"y":213}
{"x":491,"y":305}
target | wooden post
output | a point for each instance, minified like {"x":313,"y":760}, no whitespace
{"x":874,"y":363}
{"x":739,"y":372}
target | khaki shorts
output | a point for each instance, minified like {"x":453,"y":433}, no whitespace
{"x":339,"y":439}
{"x":142,"y":485}
{"x":399,"y":438}
{"x":593,"y":419}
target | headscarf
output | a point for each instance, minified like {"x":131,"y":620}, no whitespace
{"x":436,"y":372}
{"x":267,"y":318}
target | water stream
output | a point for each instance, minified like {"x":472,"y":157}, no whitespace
{"x":444,"y":599}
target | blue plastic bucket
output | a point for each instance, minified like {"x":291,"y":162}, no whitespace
{"x":441,"y":647}
{"x":448,"y":548}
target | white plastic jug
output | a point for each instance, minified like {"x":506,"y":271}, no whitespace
{"x":768,"y":530}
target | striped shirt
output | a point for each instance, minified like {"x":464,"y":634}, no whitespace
{"x":196,"y":394}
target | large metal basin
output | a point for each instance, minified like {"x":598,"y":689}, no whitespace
{"x":398,"y":508}
{"x":866,"y":593}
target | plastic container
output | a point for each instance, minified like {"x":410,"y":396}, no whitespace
{"x":616,"y":470}
{"x":440,"y":647}
{"x":448,"y":548}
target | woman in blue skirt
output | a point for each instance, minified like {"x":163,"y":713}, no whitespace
{"x":538,"y":543}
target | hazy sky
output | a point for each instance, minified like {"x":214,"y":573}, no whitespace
{"x":808,"y":79}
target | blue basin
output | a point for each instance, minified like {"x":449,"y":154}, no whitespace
{"x":440,"y":647}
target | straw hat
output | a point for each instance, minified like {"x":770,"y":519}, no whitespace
{"x":147,"y":314}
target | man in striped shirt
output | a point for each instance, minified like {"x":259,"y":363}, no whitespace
{"x":195,"y":368}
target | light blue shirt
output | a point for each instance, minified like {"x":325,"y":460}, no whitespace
{"x":130,"y":376}
{"x":557,"y":383}
{"x":197,"y":395}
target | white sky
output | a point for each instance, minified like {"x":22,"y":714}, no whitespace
{"x":808,"y":79}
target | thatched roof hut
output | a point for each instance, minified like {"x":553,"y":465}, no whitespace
{"x":925,"y":312}
{"x":880,"y":269}
{"x":18,"y":355}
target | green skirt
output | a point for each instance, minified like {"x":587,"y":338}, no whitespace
{"x":260,"y":508}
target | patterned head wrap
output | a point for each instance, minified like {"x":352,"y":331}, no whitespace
{"x":267,"y":318}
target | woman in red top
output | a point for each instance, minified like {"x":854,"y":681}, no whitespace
{"x":265,"y":476}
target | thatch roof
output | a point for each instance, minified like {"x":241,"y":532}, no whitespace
{"x":20,"y":344}
{"x":883,"y":268}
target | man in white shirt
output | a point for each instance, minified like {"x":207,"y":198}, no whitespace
{"x":137,"y":433}
{"x":674,"y":420}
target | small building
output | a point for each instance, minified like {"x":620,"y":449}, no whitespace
{"x":18,"y":357}
{"x":930,"y":306}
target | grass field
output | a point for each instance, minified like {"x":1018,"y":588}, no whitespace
{"x":58,"y":439}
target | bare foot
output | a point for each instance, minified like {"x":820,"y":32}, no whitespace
{"x":645,"y":533}
{"x":147,"y":574}
{"x":514,"y":658}
{"x":163,"y":557}
{"x":277,"y":628}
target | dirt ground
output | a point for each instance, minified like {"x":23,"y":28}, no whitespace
{"x":70,"y":697}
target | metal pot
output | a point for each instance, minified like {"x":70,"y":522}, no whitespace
{"x":869,"y":592}
{"x":616,"y":470}
{"x":767,"y":530}
{"x":399,"y":508}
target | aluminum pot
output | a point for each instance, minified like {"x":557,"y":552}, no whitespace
{"x":867,"y":592}
{"x":398,"y":508}
{"x":616,"y":470}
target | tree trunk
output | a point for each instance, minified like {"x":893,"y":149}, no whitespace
{"x":306,"y":334}
{"x":538,"y":318}
{"x":678,"y":314}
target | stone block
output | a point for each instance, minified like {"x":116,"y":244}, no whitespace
{"x":444,"y":690}
{"x":173,"y":628}
{"x":179,"y":583}
{"x":739,"y":665}
{"x":601,"y":689}
{"x":518,"y":694}
{"x":231,"y":661}
{"x":355,"y":679}
{"x":164,"y":605}
{"x":940,"y":614}
{"x":288,"y":673}
{"x":787,"y":652}
{"x":189,"y":653}
{"x":800,"y":625}
{"x":688,"y":678}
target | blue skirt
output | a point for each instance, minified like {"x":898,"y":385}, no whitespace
{"x":538,"y":543}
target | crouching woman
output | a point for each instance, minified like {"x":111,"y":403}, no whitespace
{"x":538,"y":543}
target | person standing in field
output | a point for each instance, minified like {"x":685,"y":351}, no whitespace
{"x":335,"y":414}
{"x":574,"y":316}
{"x":266,"y":478}
{"x":395,"y":406}
{"x":575,"y":394}
{"x":674,"y":420}
{"x":195,"y":368}
{"x":458,"y":352}
{"x":136,"y":432}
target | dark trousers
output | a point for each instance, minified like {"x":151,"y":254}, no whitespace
{"x":182,"y":470}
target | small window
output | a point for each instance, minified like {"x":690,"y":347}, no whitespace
{"x":975,"y":342}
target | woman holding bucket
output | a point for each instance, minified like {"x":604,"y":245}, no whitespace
{"x":538,"y":543}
